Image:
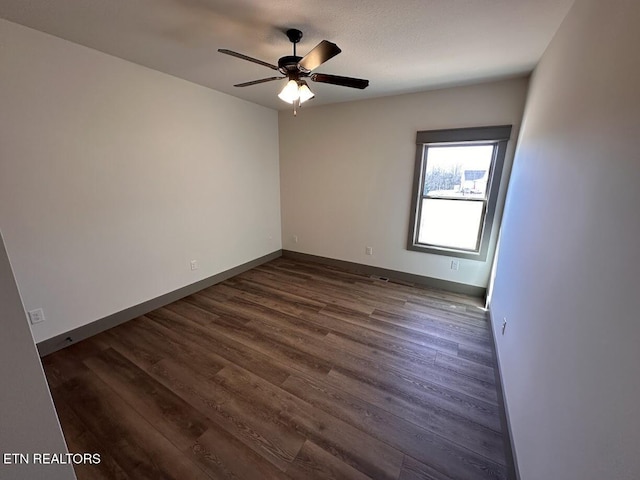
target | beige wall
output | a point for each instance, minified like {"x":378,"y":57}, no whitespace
{"x":346,"y":173}
{"x":113,"y":177}
{"x":28,"y":421}
{"x":567,"y":274}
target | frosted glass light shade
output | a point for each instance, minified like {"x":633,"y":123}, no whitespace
{"x":290,"y":93}
{"x":305,"y":92}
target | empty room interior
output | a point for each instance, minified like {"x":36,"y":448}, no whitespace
{"x":319,"y":240}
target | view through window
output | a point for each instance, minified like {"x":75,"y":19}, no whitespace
{"x":454,"y":195}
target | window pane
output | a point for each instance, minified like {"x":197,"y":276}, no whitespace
{"x":457,"y":171}
{"x":450,"y":223}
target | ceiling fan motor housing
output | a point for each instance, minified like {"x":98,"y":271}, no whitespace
{"x":288,"y":65}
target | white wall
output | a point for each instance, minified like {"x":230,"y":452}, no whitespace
{"x":346,"y":173}
{"x":113,"y":177}
{"x":567,"y":274}
{"x":28,"y":421}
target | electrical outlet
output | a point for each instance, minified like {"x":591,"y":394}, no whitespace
{"x":368,"y":250}
{"x":36,"y":316}
{"x":455,"y":265}
{"x":194,"y":264}
{"x":504,"y":324}
{"x":295,"y":239}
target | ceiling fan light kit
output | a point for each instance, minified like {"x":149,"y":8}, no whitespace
{"x":296,"y":91}
{"x":295,"y":69}
{"x":290,"y":93}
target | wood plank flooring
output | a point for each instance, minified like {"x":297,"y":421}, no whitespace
{"x":291,"y":370}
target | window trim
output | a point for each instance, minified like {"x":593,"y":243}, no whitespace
{"x":497,"y":135}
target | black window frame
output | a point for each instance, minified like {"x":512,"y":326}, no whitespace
{"x":498,"y":136}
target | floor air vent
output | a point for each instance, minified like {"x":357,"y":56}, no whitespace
{"x":376,"y":277}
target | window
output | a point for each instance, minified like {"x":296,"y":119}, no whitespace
{"x":456,"y":183}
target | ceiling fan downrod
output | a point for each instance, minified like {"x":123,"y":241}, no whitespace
{"x":294,"y":35}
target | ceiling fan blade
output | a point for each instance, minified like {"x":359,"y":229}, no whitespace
{"x":338,"y":80}
{"x":249,"y":59}
{"x":320,"y":54}
{"x":256,"y":82}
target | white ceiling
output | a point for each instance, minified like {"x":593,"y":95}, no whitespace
{"x":400,"y":46}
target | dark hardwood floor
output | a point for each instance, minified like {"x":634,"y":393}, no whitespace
{"x":291,"y":370}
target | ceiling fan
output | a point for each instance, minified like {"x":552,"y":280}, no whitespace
{"x":296,"y":69}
